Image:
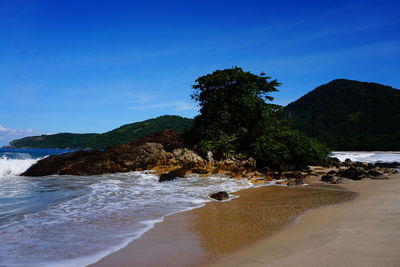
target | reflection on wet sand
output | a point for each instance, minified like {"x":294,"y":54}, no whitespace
{"x":227,"y":226}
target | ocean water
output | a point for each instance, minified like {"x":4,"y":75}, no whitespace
{"x":76,"y":220}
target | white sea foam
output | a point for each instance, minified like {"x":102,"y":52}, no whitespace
{"x":371,"y":157}
{"x":115,"y":210}
{"x":12,"y":167}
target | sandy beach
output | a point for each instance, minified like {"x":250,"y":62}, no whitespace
{"x":279,"y":226}
{"x":362,"y":232}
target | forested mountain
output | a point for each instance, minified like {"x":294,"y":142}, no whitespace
{"x":350,"y":115}
{"x":120,"y":135}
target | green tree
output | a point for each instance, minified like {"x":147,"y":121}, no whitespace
{"x":232,"y":103}
{"x":235,"y":118}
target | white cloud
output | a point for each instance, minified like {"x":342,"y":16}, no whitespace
{"x":7,"y":134}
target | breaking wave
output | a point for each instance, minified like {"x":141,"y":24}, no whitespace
{"x":14,"y":166}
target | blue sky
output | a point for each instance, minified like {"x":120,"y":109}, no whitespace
{"x":91,"y":66}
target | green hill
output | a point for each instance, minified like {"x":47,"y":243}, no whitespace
{"x":120,"y":135}
{"x":350,"y":115}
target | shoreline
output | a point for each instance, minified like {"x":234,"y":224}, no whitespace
{"x":200,"y":236}
{"x":362,"y":232}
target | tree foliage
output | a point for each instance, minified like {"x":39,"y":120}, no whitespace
{"x":231,"y":102}
{"x":235,"y":118}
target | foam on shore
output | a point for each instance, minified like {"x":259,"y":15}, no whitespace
{"x":370,"y":157}
{"x":98,"y":214}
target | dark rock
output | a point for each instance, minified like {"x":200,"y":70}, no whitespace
{"x":53,"y":164}
{"x":199,"y":171}
{"x":347,"y":163}
{"x":172,"y":175}
{"x":327,"y":178}
{"x":376,"y":175}
{"x":222,"y":195}
{"x":352,"y":173}
{"x":387,"y":165}
{"x":166,"y":177}
{"x":120,"y":158}
{"x":335,"y":162}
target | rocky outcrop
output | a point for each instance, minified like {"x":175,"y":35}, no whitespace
{"x":235,"y":167}
{"x":122,"y":158}
{"x":136,"y":156}
{"x":176,"y":162}
{"x":185,"y":157}
{"x":358,"y":170}
{"x":222,"y":195}
{"x":54,"y":164}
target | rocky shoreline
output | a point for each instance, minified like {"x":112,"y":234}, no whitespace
{"x":163,"y":152}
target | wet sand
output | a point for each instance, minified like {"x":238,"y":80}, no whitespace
{"x":363,"y":232}
{"x":205,"y":235}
